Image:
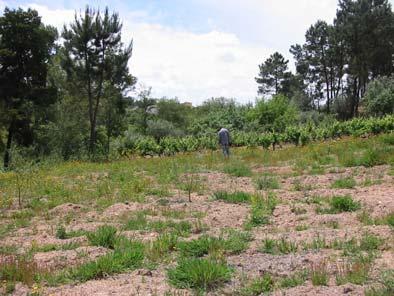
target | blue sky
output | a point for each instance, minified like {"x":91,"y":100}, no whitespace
{"x":197,"y":49}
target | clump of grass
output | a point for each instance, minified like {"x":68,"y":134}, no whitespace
{"x":319,"y":274}
{"x":19,"y":269}
{"x":257,"y":286}
{"x":346,"y":182}
{"x":386,"y":286}
{"x":159,"y":249}
{"x":199,"y":274}
{"x":261,"y":209}
{"x":235,"y":197}
{"x":294,"y":280}
{"x":61,"y":233}
{"x":344,"y":204}
{"x":140,"y":222}
{"x":316,"y":244}
{"x":267,"y":182}
{"x":276,"y":247}
{"x":236,"y":241}
{"x":204,"y":245}
{"x":105,"y":236}
{"x":301,"y":227}
{"x":237,"y":169}
{"x":339,"y":204}
{"x":299,"y":186}
{"x":355,"y":273}
{"x":127,"y":255}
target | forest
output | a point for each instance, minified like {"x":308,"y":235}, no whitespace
{"x":69,"y":94}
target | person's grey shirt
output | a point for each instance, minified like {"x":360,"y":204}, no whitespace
{"x":224,"y":137}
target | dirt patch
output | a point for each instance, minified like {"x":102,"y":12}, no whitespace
{"x":139,"y":282}
{"x":65,"y":209}
{"x":62,"y":259}
{"x":120,"y":209}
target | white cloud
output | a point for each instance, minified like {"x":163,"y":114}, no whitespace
{"x":191,"y":66}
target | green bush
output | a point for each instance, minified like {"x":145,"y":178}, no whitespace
{"x":200,"y":274}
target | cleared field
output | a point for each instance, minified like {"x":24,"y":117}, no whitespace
{"x":312,"y":220}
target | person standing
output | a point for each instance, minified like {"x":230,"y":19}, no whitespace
{"x":224,"y":141}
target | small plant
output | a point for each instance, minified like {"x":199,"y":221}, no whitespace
{"x":236,"y":241}
{"x":164,"y":244}
{"x":386,"y":285}
{"x":316,"y":244}
{"x":344,"y":203}
{"x":236,"y":197}
{"x":267,"y":182}
{"x":105,"y":236}
{"x":127,"y":255}
{"x":19,"y":269}
{"x":319,"y":275}
{"x":61,"y":232}
{"x":294,"y":280}
{"x":257,"y":286}
{"x":301,"y":227}
{"x":299,"y":186}
{"x":281,"y":246}
{"x":200,"y":274}
{"x":237,"y":169}
{"x":190,"y":182}
{"x":339,"y":204}
{"x":347,"y":182}
{"x":355,"y":273}
{"x":262,"y":208}
{"x":204,"y":245}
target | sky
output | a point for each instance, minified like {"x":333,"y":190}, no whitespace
{"x":198,"y":49}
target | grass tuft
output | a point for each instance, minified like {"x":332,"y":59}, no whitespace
{"x":235,"y":197}
{"x":200,"y":274}
{"x":105,"y":236}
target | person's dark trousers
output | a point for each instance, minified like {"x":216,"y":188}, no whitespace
{"x":226,"y":150}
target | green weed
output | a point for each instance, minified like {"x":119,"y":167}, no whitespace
{"x":258,"y":286}
{"x":200,"y":274}
{"x":237,"y":169}
{"x":105,"y":236}
{"x":267,"y":182}
{"x":346,"y":182}
{"x":235,"y":197}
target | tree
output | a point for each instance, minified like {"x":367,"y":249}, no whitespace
{"x":319,"y":62}
{"x":367,"y":32}
{"x":25,"y":49}
{"x":146,"y":108}
{"x":275,"y":114}
{"x":273,"y":74}
{"x":379,"y":97}
{"x":95,"y":55}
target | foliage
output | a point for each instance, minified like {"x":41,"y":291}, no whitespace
{"x":201,"y":274}
{"x":104,"y":236}
{"x":379,"y":97}
{"x":235,"y":197}
{"x":25,"y":48}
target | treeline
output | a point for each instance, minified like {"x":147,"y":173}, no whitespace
{"x":67,"y":94}
{"x":337,"y":61}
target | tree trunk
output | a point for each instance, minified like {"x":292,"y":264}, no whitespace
{"x":7,"y":153}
